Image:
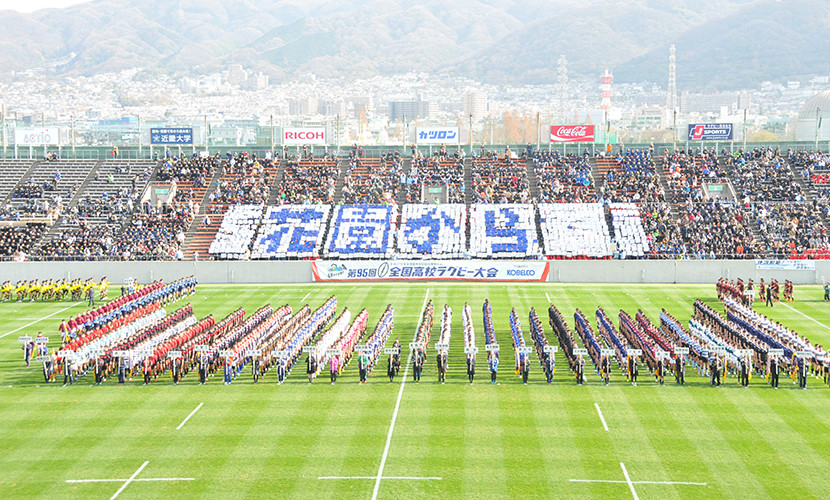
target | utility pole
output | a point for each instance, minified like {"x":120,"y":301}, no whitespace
{"x":3,"y":131}
{"x":674,"y":130}
{"x":272,"y":137}
{"x":471,"y":134}
{"x":206,"y":136}
{"x":72,"y":134}
{"x":538,"y":130}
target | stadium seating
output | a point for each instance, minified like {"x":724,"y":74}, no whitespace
{"x":433,"y":231}
{"x":628,"y":228}
{"x":309,"y":181}
{"x":233,"y":241}
{"x":503,"y":231}
{"x":499,"y":181}
{"x":633,"y":180}
{"x":291,"y":231}
{"x":434,"y":171}
{"x":574,"y":230}
{"x":563,"y":179}
{"x":361,"y":232}
{"x":372,"y":180}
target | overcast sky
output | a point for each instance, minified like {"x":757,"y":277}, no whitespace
{"x":33,"y":5}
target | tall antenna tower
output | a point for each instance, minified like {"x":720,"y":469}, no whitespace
{"x":605,"y":84}
{"x":671,"y":95}
{"x":561,"y":86}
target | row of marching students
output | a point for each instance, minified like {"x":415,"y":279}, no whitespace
{"x":444,"y":339}
{"x":422,"y":337}
{"x":522,"y":358}
{"x":799,"y":356}
{"x":594,"y":345}
{"x":567,"y":343}
{"x":642,"y":339}
{"x":367,"y":359}
{"x":469,"y":341}
{"x":490,"y":341}
{"x":546,"y":355}
{"x":610,"y":337}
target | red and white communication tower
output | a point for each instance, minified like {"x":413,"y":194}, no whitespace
{"x":605,"y":84}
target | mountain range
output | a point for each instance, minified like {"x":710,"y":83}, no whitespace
{"x":721,"y":44}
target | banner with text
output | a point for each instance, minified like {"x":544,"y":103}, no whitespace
{"x":437,"y":135}
{"x":39,"y":136}
{"x":304,"y":136}
{"x":710,"y":132}
{"x":171,"y":136}
{"x":572,"y":133}
{"x":785,"y":265}
{"x":429,"y":270}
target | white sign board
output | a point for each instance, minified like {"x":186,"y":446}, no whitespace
{"x":24,"y":339}
{"x":41,"y":340}
{"x":437,"y":135}
{"x":333,"y":352}
{"x":442,"y":347}
{"x":391,"y":350}
{"x":471,"y":350}
{"x":776,"y":352}
{"x":174,"y":354}
{"x":37,"y":136}
{"x":551,"y":349}
{"x":491,"y":347}
{"x":362,"y":348}
{"x":607,"y":352}
{"x":253,"y":352}
{"x":201,"y":348}
{"x":580,"y":352}
{"x":524,"y":349}
{"x":310,"y":349}
{"x":681,"y":350}
{"x":416,"y":345}
{"x":635,"y":352}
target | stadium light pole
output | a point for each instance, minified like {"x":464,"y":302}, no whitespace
{"x":272,"y":136}
{"x":538,"y":130}
{"x":674,"y":131}
{"x":818,"y":124}
{"x":744,"y":148}
{"x":72,"y":134}
{"x":138,"y":117}
{"x":3,"y":131}
{"x":471,"y":134}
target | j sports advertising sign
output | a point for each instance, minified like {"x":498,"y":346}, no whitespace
{"x":710,"y":132}
{"x":572,"y":133}
{"x":304,"y":136}
{"x":437,"y":135}
{"x":435,"y":270}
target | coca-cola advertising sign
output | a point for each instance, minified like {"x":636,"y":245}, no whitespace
{"x":572,"y":133}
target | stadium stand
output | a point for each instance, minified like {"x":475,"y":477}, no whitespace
{"x":18,"y":238}
{"x":574,"y":230}
{"x":629,"y":234}
{"x":361,"y":231}
{"x":563,"y":179}
{"x":113,"y":192}
{"x":435,"y":171}
{"x":685,"y":172}
{"x":763,"y":175}
{"x":291,"y":232}
{"x":496,"y":180}
{"x":309,"y":181}
{"x":793,"y":230}
{"x":372,"y":180}
{"x":632,"y":179}
{"x":233,"y":240}
{"x":13,"y":171}
{"x":433,"y":231}
{"x":503,"y":231}
{"x":50,"y":186}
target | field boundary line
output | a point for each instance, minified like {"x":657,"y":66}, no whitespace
{"x":188,"y":417}
{"x":39,"y":320}
{"x":130,"y":480}
{"x":601,"y":418}
{"x":808,"y":317}
{"x":306,"y":296}
{"x":397,"y":407}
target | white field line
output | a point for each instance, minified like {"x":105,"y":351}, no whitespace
{"x":39,"y":320}
{"x":306,"y":296}
{"x":801,"y":313}
{"x":130,"y":480}
{"x":612,"y":481}
{"x":548,"y":297}
{"x":604,"y":425}
{"x":188,"y":417}
{"x":628,"y":480}
{"x":397,"y":407}
{"x":405,"y":478}
{"x":137,"y":480}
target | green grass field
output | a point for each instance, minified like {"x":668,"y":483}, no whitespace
{"x":481,"y":441}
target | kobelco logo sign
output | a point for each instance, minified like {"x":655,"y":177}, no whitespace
{"x":301,"y":136}
{"x":572,"y":133}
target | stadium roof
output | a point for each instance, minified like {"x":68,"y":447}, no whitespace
{"x":821,"y":100}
